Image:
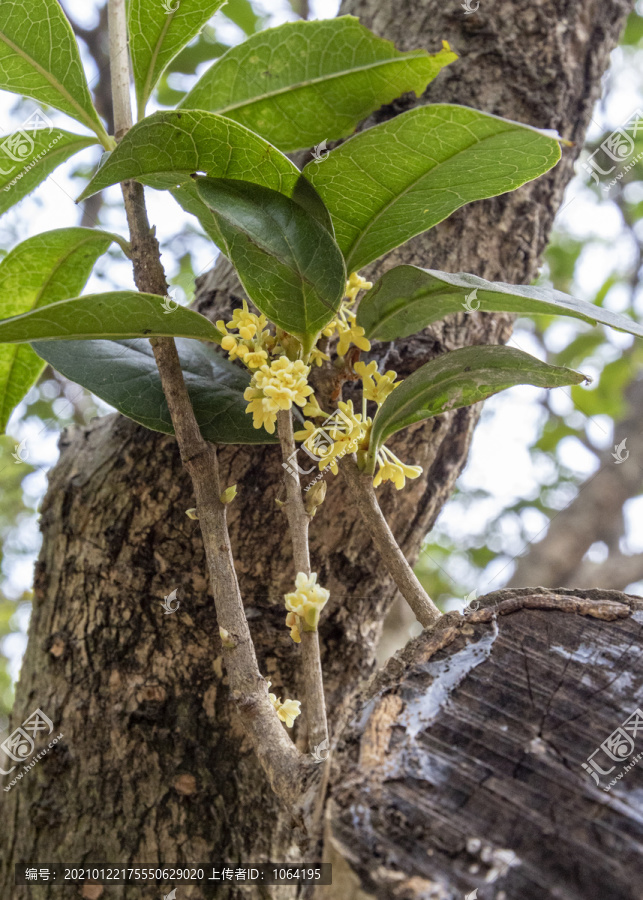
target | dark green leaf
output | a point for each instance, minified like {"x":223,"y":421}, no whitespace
{"x":306,"y":195}
{"x":460,"y":378}
{"x":113,"y":315}
{"x":42,"y":270}
{"x":124,"y":374}
{"x":402,"y":177}
{"x":304,"y":82}
{"x":288,"y":263}
{"x":407,"y":299}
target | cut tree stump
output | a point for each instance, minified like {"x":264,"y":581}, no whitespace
{"x":462,"y":768}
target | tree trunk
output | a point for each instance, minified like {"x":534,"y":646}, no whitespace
{"x":153,"y":768}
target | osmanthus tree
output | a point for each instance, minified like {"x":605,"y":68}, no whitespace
{"x":302,"y":357}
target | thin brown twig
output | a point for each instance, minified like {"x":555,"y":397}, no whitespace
{"x":299,"y":521}
{"x":361,"y":487}
{"x":298,"y":518}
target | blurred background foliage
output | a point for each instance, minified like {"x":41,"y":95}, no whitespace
{"x":534,"y":453}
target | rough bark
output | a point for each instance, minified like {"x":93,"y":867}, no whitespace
{"x":153,"y":766}
{"x":462,"y":768}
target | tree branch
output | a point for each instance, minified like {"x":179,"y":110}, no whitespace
{"x":276,"y":752}
{"x":298,"y":518}
{"x":363,"y":493}
{"x":298,"y":522}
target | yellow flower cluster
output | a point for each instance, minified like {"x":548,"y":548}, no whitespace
{"x":344,"y":324}
{"x":254,"y":340}
{"x":376,"y":387}
{"x":287,"y":711}
{"x":274,"y":387}
{"x":279,"y":383}
{"x":393,"y":469}
{"x":345,"y":429}
{"x":305,"y":604}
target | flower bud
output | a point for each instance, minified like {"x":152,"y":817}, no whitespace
{"x":229,"y":494}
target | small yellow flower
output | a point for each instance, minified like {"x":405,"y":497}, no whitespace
{"x":255,"y":358}
{"x":285,"y":382}
{"x":246,"y":323}
{"x":229,"y":342}
{"x":292,"y":622}
{"x":377,"y":387}
{"x":234,"y":347}
{"x":317,"y":357}
{"x":229,"y":494}
{"x":393,"y":469}
{"x":261,"y":417}
{"x":309,"y":430}
{"x":287,"y":711}
{"x":355,"y":284}
{"x":351,"y":333}
{"x":306,"y":603}
{"x":389,"y":471}
{"x":313,"y":409}
{"x":347,"y":433}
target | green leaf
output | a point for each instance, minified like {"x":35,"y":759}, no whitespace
{"x":39,"y":58}
{"x":165,"y":149}
{"x":306,"y":195}
{"x":188,"y":199}
{"x":407,"y":299}
{"x":158,"y":31}
{"x":287,"y":261}
{"x":45,"y":269}
{"x":460,"y":378}
{"x":16,"y":182}
{"x":400,"y":178}
{"x":304,"y":82}
{"x":112,"y":315}
{"x":124,"y":374}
